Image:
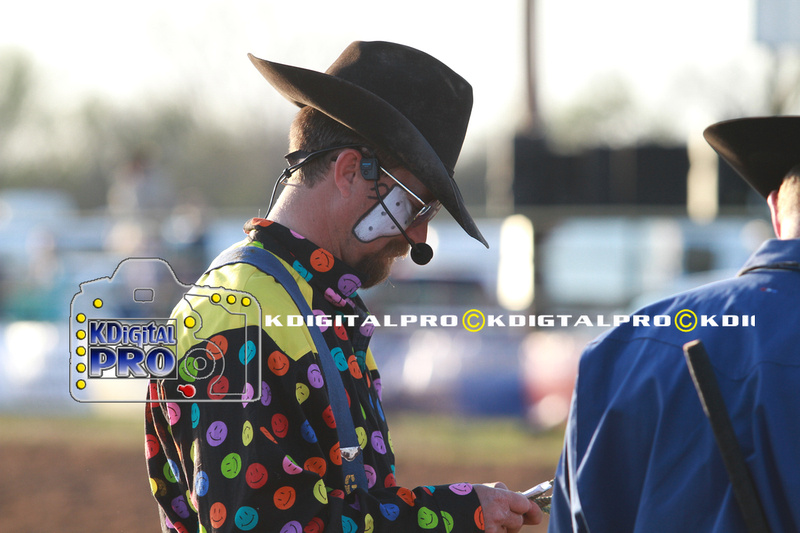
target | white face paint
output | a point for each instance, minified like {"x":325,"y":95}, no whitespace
{"x":376,"y":223}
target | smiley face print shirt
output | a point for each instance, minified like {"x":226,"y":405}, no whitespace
{"x":270,"y":461}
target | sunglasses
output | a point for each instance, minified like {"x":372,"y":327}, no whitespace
{"x":426,"y":211}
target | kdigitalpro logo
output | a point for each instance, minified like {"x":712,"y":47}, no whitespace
{"x":685,"y":320}
{"x":473,"y":320}
{"x":122,"y":333}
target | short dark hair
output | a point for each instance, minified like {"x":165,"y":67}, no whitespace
{"x":312,"y":130}
{"x":789,"y":193}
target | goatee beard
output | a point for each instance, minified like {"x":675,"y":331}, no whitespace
{"x":376,"y":267}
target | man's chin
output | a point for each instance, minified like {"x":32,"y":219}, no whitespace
{"x":377,"y":267}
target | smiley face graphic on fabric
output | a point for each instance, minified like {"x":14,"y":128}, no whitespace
{"x":316,"y":465}
{"x":447,"y":520}
{"x":340,"y":331}
{"x":247,"y":352}
{"x":216,"y":347}
{"x":378,"y":443}
{"x":290,"y":467}
{"x":327,"y":417}
{"x":479,"y":518}
{"x":246,"y":518}
{"x":315,"y":378}
{"x":151,"y":446}
{"x":284,"y":498}
{"x":280,"y":425}
{"x":171,"y":471}
{"x":390,"y":511}
{"x":308,"y":433}
{"x":335,"y":298}
{"x":247,"y":433}
{"x":427,"y":519}
{"x":247,"y":395}
{"x":367,"y":329}
{"x":266,"y":394}
{"x":301,"y":392}
{"x":303,"y":271}
{"x":321,"y":260}
{"x":292,"y":527}
{"x":372,"y":477}
{"x":218,"y":388}
{"x":361,"y":434}
{"x":339,"y":358}
{"x":180,"y":507}
{"x":348,"y":284}
{"x":335,"y":454}
{"x":218,"y":514}
{"x":256,"y":476}
{"x":320,"y":492}
{"x":187,"y":369}
{"x":195,"y":415}
{"x":315,"y":526}
{"x":349,"y":525}
{"x":231,"y":465}
{"x":193,"y":451}
{"x":158,"y":487}
{"x":173,"y":413}
{"x":201,"y":483}
{"x":407,"y":496}
{"x":192,"y":498}
{"x":278,"y":363}
{"x":462,"y":489}
{"x":217,"y":432}
{"x":352,"y":364}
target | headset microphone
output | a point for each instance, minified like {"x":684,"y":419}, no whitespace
{"x":421,"y":253}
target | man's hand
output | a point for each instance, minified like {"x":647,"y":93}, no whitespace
{"x":504,"y":510}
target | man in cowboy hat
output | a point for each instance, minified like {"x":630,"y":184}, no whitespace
{"x":306,"y":446}
{"x":639,"y":454}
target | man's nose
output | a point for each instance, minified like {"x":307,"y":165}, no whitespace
{"x":418,"y":232}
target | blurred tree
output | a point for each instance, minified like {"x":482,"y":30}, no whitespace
{"x":16,"y":73}
{"x":606,"y":114}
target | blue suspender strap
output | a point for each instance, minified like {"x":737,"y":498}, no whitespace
{"x":352,"y":463}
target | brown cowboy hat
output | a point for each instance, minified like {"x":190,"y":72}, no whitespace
{"x":761,"y":149}
{"x":402,"y":100}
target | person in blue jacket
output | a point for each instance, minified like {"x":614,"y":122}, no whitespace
{"x":639,"y":454}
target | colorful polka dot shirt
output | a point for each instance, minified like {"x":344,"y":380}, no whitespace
{"x":271,"y":461}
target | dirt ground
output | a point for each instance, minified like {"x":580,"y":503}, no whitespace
{"x":83,"y":484}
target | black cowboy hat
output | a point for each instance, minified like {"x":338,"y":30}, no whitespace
{"x":761,"y":149}
{"x":402,"y":100}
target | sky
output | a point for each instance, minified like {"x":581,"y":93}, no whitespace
{"x":152,"y":49}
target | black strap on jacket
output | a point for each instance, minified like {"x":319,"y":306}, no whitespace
{"x":744,"y":489}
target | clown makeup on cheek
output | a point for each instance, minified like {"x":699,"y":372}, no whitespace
{"x":376,"y":223}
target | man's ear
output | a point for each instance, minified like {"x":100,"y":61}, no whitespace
{"x":772,"y":202}
{"x":346,"y":171}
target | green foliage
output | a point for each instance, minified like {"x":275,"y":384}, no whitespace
{"x":79,"y":149}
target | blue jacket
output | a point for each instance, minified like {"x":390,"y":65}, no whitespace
{"x":639,"y":453}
